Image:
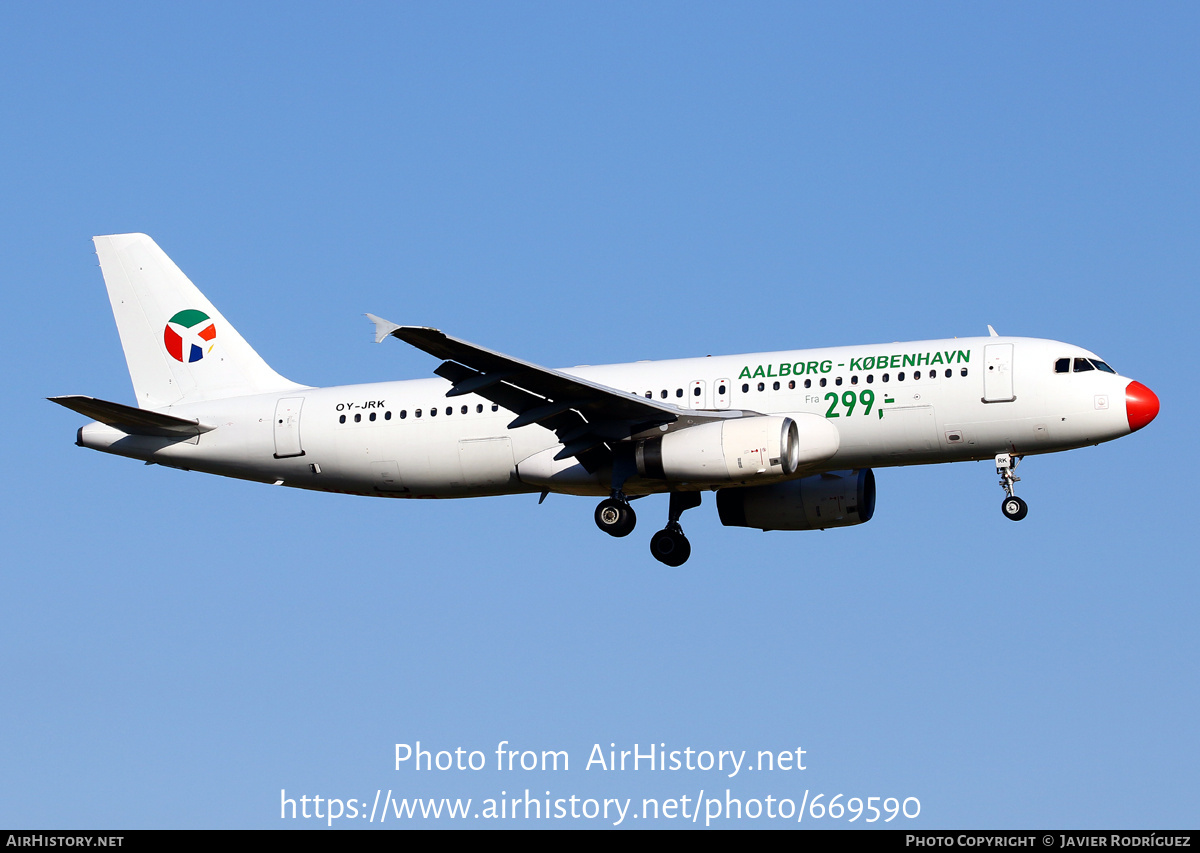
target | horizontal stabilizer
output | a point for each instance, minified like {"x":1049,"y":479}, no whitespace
{"x":131,"y":420}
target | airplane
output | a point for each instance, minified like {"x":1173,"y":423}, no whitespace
{"x":787,"y":440}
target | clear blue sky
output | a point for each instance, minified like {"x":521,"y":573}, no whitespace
{"x":585,"y":183}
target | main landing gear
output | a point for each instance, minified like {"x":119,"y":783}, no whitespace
{"x":669,"y":545}
{"x":616,"y":518}
{"x":1012,"y":506}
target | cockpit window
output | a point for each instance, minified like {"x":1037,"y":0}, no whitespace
{"x":1082,"y":364}
{"x":1102,"y":366}
{"x":1063,"y":365}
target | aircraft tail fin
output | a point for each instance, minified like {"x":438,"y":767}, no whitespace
{"x":178,"y":347}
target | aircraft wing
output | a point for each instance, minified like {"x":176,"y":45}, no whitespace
{"x":584,"y":415}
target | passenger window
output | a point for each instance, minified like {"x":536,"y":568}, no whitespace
{"x":762,"y":386}
{"x":949,"y":373}
{"x":358,"y":419}
{"x":1082,"y":365}
{"x":372,"y":417}
{"x":478,"y":408}
{"x":679,"y":391}
{"x":403,"y":414}
{"x":720,"y":390}
{"x":745,"y":388}
{"x":664,"y":393}
{"x":823,"y":381}
{"x":886,"y":377}
{"x":1063,"y":365}
{"x":916,"y":374}
{"x":853,"y":380}
{"x":387,"y":416}
{"x":464,"y":410}
{"x":837,"y":381}
{"x":418,"y":413}
{"x":696,"y":391}
{"x":963,"y":371}
{"x":495,"y":408}
{"x":900,"y":376}
{"x":870,"y":378}
{"x":792,"y":385}
{"x":775,"y":386}
{"x":342,"y":419}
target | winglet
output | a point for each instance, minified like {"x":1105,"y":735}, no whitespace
{"x":383,"y":327}
{"x":991,"y":331}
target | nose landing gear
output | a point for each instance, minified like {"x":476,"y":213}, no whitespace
{"x":1012,"y":506}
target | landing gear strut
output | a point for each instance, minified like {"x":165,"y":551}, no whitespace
{"x":1012,"y":506}
{"x":615,"y":516}
{"x":669,"y":545}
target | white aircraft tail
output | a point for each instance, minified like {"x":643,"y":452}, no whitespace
{"x":178,"y":347}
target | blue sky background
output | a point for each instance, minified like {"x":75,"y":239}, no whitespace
{"x":587,"y":183}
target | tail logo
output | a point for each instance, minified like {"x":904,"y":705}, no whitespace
{"x":190,"y":335}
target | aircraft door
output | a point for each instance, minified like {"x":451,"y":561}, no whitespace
{"x":287,"y":427}
{"x":721,"y":393}
{"x":997,"y":373}
{"x":696,"y":395}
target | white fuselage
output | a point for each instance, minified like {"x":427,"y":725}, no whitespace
{"x":892,"y":404}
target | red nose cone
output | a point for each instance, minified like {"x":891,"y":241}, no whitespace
{"x":1141,"y":405}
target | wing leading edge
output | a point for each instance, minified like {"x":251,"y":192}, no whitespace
{"x":587,"y":417}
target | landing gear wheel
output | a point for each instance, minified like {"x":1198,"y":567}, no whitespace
{"x":670,"y":546}
{"x":614,"y":517}
{"x":1014,"y":508}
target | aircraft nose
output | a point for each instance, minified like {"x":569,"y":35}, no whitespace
{"x":1141,"y":405}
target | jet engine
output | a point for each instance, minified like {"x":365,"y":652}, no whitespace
{"x":834,"y":499}
{"x":737,"y":450}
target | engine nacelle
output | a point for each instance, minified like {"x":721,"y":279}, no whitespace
{"x":835,"y":499}
{"x":737,"y":450}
